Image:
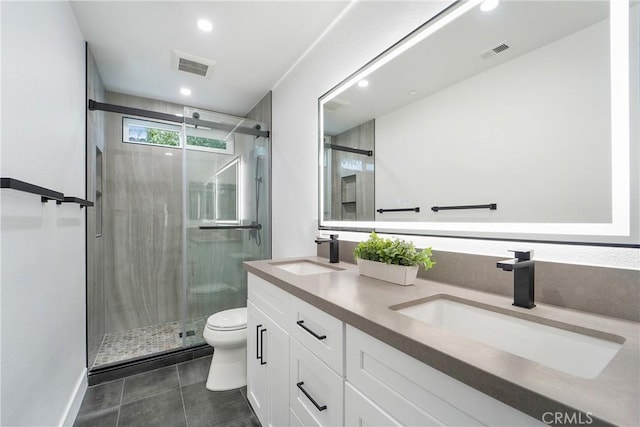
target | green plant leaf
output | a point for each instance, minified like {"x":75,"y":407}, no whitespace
{"x":396,"y":252}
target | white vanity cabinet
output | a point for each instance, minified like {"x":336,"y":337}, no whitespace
{"x":307,"y":368}
{"x":295,"y":359}
{"x":267,"y":353}
{"x":397,"y":387}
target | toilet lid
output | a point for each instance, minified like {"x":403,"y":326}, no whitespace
{"x":228,"y":320}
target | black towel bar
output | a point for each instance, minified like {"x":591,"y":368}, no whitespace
{"x":44,"y":193}
{"x":231,"y":227}
{"x":81,"y":202}
{"x":368,"y":153}
{"x":491,"y":206}
{"x":416,"y":209}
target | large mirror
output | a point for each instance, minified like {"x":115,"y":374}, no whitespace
{"x":507,"y":123}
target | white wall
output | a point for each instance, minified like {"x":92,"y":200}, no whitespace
{"x":365,"y":30}
{"x":42,"y":254}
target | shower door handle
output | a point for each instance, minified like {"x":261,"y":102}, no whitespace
{"x":262,"y":362}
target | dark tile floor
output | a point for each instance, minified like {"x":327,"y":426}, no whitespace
{"x":170,"y":396}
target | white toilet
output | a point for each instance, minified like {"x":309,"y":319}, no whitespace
{"x":226,"y":332}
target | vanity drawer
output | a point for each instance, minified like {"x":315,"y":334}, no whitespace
{"x":316,"y":392}
{"x":273,"y":301}
{"x":320,"y":332}
{"x":417,"y":394}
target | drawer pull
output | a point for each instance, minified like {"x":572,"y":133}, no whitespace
{"x":320,"y":408}
{"x":301,"y":324}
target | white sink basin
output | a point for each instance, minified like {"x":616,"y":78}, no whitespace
{"x":570,"y":352}
{"x":304,"y":267}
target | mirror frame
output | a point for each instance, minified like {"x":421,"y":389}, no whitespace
{"x":619,"y":232}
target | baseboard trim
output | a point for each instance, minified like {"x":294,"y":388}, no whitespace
{"x":71,"y":411}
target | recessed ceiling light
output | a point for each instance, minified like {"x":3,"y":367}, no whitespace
{"x":168,"y":154}
{"x":488,"y":5}
{"x":205,"y":25}
{"x":185,"y":91}
{"x":363,"y":83}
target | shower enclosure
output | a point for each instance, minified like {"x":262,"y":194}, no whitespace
{"x":182,"y":206}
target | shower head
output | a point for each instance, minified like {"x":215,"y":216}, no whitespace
{"x":195,"y":115}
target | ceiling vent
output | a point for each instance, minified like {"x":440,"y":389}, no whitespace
{"x":335,"y":104}
{"x":192,"y":64}
{"x":500,"y":47}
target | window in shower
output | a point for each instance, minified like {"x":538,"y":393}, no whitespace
{"x":212,"y":140}
{"x":149,"y":132}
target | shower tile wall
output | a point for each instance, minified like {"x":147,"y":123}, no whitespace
{"x":352,"y":186}
{"x":262,"y":113}
{"x":143,"y":211}
{"x":95,"y":242}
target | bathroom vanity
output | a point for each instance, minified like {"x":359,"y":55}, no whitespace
{"x":329,"y":347}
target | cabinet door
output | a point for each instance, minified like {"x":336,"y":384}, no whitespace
{"x":267,"y":368}
{"x":417,"y":394}
{"x":316,"y":392}
{"x":257,"y":376}
{"x":360,"y":411}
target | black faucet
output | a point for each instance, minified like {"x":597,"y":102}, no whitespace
{"x":334,"y":248}
{"x":523,"y":268}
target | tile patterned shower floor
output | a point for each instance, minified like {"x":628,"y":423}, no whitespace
{"x":125,"y":345}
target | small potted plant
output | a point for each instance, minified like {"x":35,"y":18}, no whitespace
{"x":395,"y":261}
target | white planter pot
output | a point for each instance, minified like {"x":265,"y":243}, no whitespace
{"x":398,"y":274}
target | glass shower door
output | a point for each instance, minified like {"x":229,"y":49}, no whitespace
{"x":226,"y":215}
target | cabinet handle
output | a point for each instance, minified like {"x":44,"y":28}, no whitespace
{"x":301,"y":324}
{"x":262,"y":362}
{"x":320,"y":408}
{"x":258,"y":345}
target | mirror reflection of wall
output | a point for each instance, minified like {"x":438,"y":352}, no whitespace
{"x":531,"y":134}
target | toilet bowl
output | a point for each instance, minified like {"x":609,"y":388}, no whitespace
{"x":226,"y":332}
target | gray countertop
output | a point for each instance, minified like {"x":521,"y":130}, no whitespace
{"x":613,"y":397}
